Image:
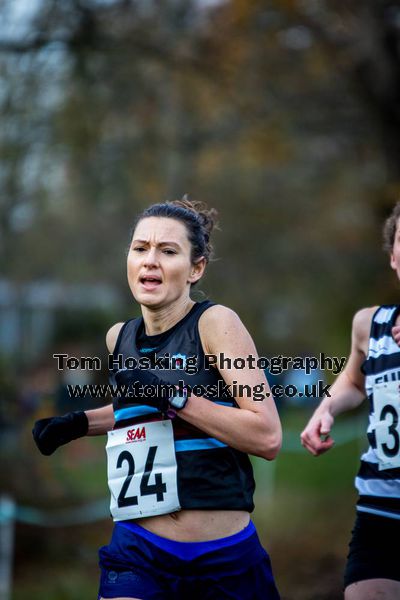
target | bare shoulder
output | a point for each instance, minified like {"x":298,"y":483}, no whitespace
{"x":219,"y":322}
{"x":362,"y":324}
{"x":112,"y":336}
{"x":218,"y":316}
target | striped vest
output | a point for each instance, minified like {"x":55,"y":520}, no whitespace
{"x":379,"y":489}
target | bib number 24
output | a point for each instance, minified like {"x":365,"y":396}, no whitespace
{"x":142,"y":469}
{"x":158,"y":488}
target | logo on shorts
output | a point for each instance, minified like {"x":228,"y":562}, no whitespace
{"x":138,"y":434}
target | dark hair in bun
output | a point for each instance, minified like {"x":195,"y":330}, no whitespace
{"x":196,"y":216}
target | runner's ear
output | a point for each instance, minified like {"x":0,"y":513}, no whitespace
{"x":197,"y":270}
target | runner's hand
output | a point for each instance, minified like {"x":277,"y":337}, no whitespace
{"x":396,"y":334}
{"x":52,"y":432}
{"x":130,"y":377}
{"x":316,"y":436}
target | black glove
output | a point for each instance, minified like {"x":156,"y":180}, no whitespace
{"x":159,"y":399}
{"x":53,"y":432}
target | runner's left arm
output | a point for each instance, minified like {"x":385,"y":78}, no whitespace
{"x":255,"y":428}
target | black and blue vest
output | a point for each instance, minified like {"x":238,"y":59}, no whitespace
{"x":210,"y":474}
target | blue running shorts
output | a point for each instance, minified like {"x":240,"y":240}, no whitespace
{"x":140,"y":564}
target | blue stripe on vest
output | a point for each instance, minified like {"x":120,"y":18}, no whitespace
{"x":199,"y":444}
{"x":144,"y":409}
{"x":134,"y":411}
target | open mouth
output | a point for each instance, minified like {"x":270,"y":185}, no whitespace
{"x":150,"y":281}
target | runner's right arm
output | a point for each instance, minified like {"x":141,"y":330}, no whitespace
{"x":52,"y":432}
{"x":346,"y":393}
{"x":101,"y":420}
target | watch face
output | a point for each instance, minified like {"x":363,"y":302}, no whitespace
{"x":178,"y":401}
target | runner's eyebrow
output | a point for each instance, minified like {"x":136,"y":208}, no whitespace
{"x":166,"y":243}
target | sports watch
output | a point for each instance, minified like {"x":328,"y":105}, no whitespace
{"x":176,"y":403}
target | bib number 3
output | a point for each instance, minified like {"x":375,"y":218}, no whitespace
{"x":387,"y":424}
{"x":141,"y":468}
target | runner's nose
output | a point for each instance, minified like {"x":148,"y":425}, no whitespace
{"x":151,"y":258}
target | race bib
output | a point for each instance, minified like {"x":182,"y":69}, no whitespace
{"x":141,"y":466}
{"x":386,"y":424}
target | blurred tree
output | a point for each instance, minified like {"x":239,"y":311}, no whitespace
{"x":268,"y":111}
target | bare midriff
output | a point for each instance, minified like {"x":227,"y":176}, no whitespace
{"x":196,"y":525}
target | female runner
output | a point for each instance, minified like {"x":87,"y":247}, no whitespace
{"x":372,"y":371}
{"x":180,"y":477}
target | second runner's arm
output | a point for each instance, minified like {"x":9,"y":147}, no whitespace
{"x":346,"y":393}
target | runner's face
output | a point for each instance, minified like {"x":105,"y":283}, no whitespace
{"x":159,"y":265}
{"x":395,"y":254}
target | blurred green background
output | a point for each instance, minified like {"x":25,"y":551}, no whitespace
{"x":284,"y":116}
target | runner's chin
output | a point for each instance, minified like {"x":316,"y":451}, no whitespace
{"x":148,"y":297}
